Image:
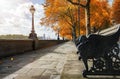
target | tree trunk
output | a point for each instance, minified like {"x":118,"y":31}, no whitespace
{"x":79,"y":18}
{"x":87,"y":14}
{"x":74,"y":33}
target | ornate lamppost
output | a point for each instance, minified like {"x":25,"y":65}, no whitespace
{"x":32,"y":35}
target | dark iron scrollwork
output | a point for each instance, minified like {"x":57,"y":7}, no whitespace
{"x":103,"y":50}
{"x":109,"y":65}
{"x":115,"y":57}
{"x":98,"y":65}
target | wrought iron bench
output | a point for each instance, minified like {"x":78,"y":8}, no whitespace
{"x":104,"y":52}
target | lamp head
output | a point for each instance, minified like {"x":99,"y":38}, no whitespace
{"x":32,"y":9}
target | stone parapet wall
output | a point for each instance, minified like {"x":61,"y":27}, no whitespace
{"x":11,"y":47}
{"x":45,"y":43}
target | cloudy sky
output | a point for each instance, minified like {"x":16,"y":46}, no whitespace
{"x":15,"y":17}
{"x":110,"y":1}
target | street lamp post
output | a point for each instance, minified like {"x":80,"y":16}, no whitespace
{"x":32,"y":35}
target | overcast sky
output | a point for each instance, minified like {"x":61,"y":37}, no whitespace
{"x":110,"y":1}
{"x":15,"y":17}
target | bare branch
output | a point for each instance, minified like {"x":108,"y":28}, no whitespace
{"x":75,"y":3}
{"x":88,"y":2}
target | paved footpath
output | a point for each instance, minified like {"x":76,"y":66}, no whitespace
{"x":51,"y":63}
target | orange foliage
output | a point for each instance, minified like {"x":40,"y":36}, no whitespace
{"x":63,"y":14}
{"x":100,"y":14}
{"x":116,"y":11}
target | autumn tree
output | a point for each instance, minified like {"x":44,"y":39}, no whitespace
{"x":58,"y":13}
{"x":87,"y":13}
{"x":63,"y":14}
{"x":70,"y":18}
{"x":99,"y":7}
{"x":100,"y":14}
{"x":116,"y":11}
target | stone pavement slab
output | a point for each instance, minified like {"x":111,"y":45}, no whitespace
{"x":41,"y":64}
{"x":73,"y":67}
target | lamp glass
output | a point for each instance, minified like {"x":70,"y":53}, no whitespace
{"x":32,"y":9}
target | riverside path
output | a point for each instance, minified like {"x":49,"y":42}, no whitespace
{"x":57,"y":62}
